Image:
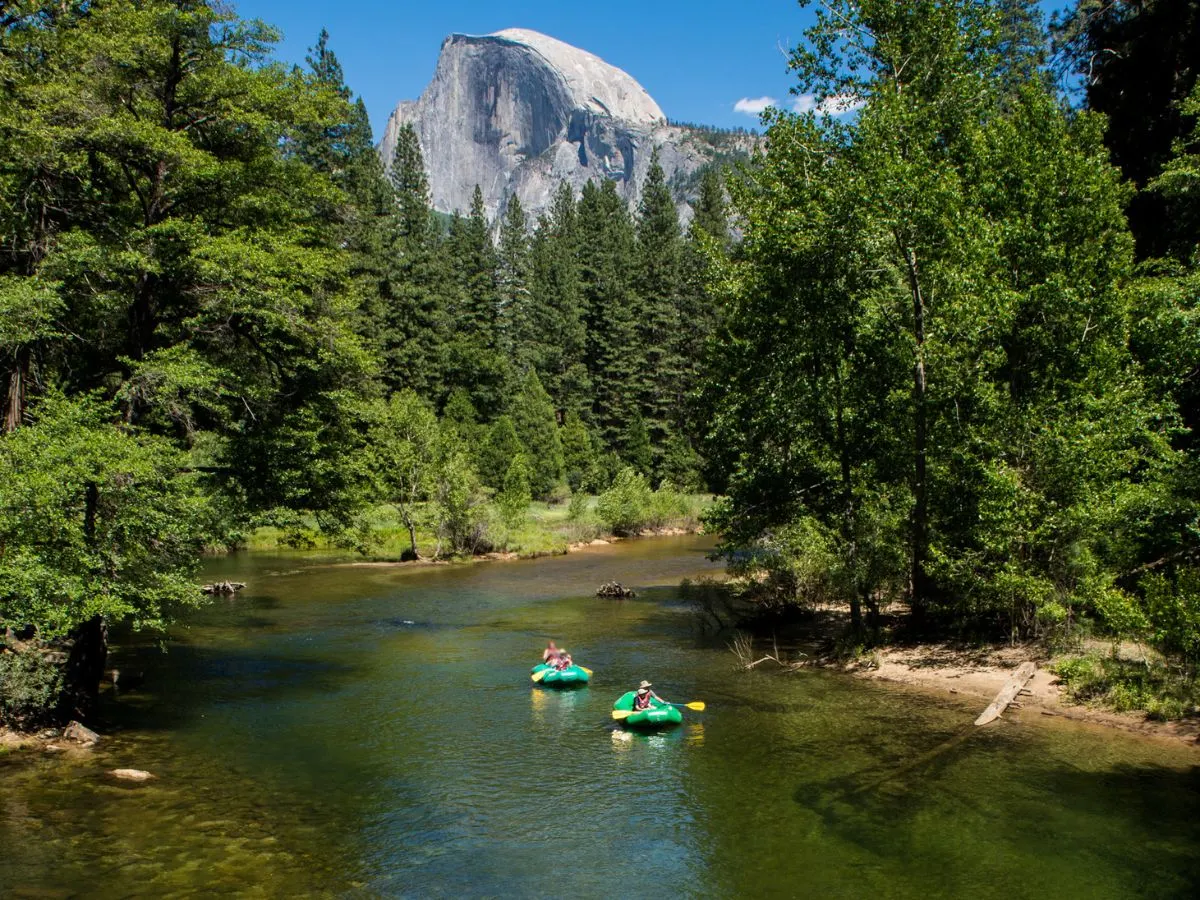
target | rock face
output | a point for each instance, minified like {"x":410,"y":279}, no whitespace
{"x":517,"y":112}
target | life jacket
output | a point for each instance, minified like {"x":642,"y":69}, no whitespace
{"x":640,"y":702}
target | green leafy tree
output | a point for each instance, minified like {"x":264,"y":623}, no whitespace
{"x":95,"y":521}
{"x":924,"y":333}
{"x":496,"y":452}
{"x":459,"y":503}
{"x":404,"y":441}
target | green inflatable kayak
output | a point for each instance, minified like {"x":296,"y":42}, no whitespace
{"x":659,"y":715}
{"x":571,"y":676}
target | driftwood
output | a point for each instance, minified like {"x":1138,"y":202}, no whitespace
{"x":614,"y":589}
{"x":1015,"y":684}
{"x":222,"y":587}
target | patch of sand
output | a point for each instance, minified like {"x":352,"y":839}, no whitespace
{"x":980,"y":674}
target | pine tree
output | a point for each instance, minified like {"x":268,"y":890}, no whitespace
{"x":659,"y":286}
{"x":496,"y":452}
{"x":636,"y":448}
{"x":537,"y":426}
{"x":615,"y":360}
{"x":579,"y":456}
{"x":475,"y":361}
{"x":554,"y":334}
{"x":342,"y":146}
{"x":512,"y":280}
{"x":412,"y":295}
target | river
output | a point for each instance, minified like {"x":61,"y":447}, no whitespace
{"x":365,"y":731}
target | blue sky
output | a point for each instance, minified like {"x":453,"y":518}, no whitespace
{"x":697,"y":58}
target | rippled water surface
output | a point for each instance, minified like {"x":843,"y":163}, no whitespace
{"x":368,"y":731}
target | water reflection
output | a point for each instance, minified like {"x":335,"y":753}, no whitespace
{"x":344,"y":747}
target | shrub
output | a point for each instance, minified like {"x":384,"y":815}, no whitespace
{"x":625,"y":506}
{"x":30,"y":688}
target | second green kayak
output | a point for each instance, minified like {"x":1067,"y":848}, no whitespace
{"x":571,"y":676}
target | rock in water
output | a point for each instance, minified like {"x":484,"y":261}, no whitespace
{"x":614,"y":589}
{"x":81,"y":734}
{"x":517,"y":112}
{"x":131,"y":774}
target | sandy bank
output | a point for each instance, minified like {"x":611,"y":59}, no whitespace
{"x":979,"y":674}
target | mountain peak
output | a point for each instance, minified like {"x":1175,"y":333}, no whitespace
{"x":518,"y":112}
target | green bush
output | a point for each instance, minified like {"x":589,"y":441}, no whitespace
{"x":1126,"y":685}
{"x":625,"y":507}
{"x":30,"y":687}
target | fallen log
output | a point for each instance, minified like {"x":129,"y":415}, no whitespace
{"x":1008,"y":693}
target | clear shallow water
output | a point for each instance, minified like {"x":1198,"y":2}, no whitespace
{"x":364,"y":731}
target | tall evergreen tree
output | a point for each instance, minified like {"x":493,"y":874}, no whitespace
{"x":554,"y":335}
{"x":615,"y":358}
{"x":660,"y":288}
{"x":512,"y":279}
{"x":474,"y":361}
{"x":413,"y":295}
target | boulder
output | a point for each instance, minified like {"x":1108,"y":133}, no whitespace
{"x":80,"y":734}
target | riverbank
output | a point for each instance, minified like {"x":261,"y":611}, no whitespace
{"x":980,"y":673}
{"x":546,"y":529}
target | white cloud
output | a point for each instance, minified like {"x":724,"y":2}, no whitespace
{"x":753,"y":106}
{"x":837,"y":105}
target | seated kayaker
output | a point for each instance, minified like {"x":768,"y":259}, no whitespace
{"x":562,"y":661}
{"x":550,"y":653}
{"x":641,"y":700}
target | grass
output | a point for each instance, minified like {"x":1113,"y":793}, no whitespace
{"x":546,"y":529}
{"x":1161,"y":690}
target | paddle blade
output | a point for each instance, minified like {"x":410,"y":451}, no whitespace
{"x":620,"y":714}
{"x":590,"y":673}
{"x":539,"y":675}
{"x":697,"y":705}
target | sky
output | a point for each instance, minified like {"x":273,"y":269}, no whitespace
{"x":697,"y":58}
{"x":703,"y":61}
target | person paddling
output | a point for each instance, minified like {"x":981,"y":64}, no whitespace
{"x":641,"y":700}
{"x":563,"y":661}
{"x":550,"y":653}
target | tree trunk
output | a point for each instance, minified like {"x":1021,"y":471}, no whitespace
{"x":14,"y":407}
{"x":848,"y":525}
{"x":920,"y":517}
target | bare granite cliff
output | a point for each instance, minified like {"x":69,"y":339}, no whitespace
{"x":517,"y":112}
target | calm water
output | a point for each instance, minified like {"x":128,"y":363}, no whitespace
{"x":357,"y":731}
